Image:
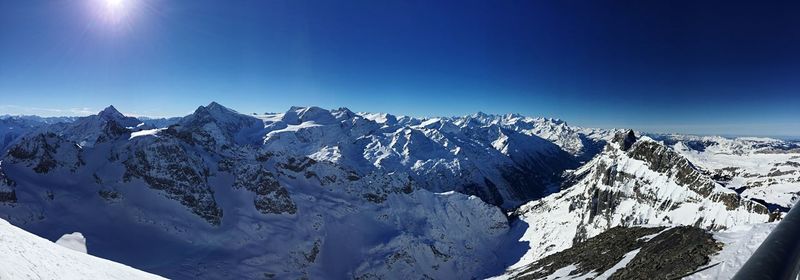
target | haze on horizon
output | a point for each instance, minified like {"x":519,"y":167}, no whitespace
{"x":679,"y":66}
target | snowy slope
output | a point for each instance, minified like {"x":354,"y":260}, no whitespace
{"x":583,"y":143}
{"x":643,"y":183}
{"x":759,"y":168}
{"x":12,"y":128}
{"x":501,"y":166}
{"x":27,"y":256}
{"x":254,"y":197}
{"x":74,"y":241}
{"x":740,"y":243}
{"x":313,"y":193}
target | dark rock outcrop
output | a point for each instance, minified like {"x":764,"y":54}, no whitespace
{"x":664,"y":160}
{"x":625,"y":139}
{"x":672,"y":253}
{"x":165,"y":165}
{"x":271,"y":197}
{"x":40,"y":153}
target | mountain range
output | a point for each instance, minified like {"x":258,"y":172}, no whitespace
{"x":315,"y":193}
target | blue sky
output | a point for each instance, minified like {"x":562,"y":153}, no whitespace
{"x":677,"y":66}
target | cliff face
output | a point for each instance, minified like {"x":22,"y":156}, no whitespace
{"x":632,"y":182}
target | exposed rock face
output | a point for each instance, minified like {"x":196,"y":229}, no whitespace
{"x":271,"y":197}
{"x":215,"y":127}
{"x":630,"y":253}
{"x":107,"y":126}
{"x":666,"y":161}
{"x":12,"y":128}
{"x":363,"y":196}
{"x":625,"y":140}
{"x":595,"y":255}
{"x":167,"y":166}
{"x":8,"y":194}
{"x":758,"y":169}
{"x":648,"y":184}
{"x":356,"y":196}
{"x":671,"y":254}
{"x":44,"y":152}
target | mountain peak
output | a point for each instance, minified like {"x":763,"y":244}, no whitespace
{"x":625,"y":139}
{"x":297,"y":115}
{"x":343,"y":113}
{"x":110,"y":112}
{"x":215,"y":105}
{"x":215,"y":112}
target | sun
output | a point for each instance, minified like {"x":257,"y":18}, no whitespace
{"x":114,"y":12}
{"x":114,"y":4}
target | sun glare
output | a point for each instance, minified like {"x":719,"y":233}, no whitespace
{"x":114,"y":4}
{"x":114,"y":11}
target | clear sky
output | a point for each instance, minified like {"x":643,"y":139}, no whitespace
{"x":703,"y":67}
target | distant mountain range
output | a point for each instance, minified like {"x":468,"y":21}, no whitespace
{"x":335,"y":194}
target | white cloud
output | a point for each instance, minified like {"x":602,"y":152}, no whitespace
{"x":45,"y":112}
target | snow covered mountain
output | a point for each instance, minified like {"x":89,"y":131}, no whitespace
{"x":634,"y":181}
{"x":312,"y":193}
{"x":27,"y":256}
{"x":12,"y":127}
{"x":762,"y":169}
{"x":583,"y":143}
{"x":286,"y":195}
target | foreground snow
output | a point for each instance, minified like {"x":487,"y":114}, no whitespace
{"x":740,"y":243}
{"x":27,"y":256}
{"x":74,"y":241}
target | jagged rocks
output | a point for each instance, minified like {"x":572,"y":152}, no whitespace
{"x":45,"y":152}
{"x":625,"y":139}
{"x":271,"y":197}
{"x":375,"y":198}
{"x":297,"y":165}
{"x":311,"y":256}
{"x":596,"y":254}
{"x":360,"y":198}
{"x":671,"y":255}
{"x":666,"y":161}
{"x":167,"y":166}
{"x":663,"y":160}
{"x":620,"y":188}
{"x":213,"y":127}
{"x":8,"y":196}
{"x":109,"y":195}
{"x":7,"y":192}
{"x":658,"y":253}
{"x":487,"y":191}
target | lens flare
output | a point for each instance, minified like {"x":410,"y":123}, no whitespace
{"x":114,"y":12}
